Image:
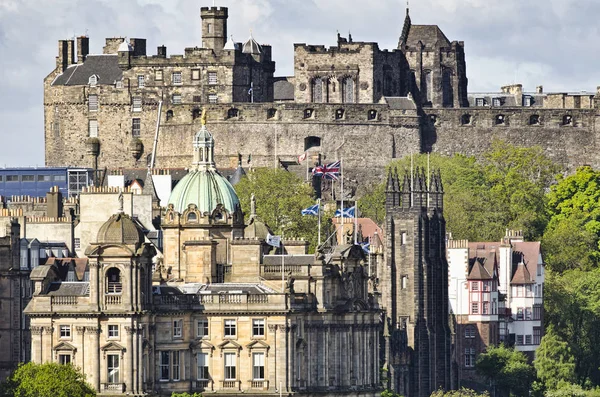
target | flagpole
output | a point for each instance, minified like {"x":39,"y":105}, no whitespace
{"x":307,"y":161}
{"x":412,"y":185}
{"x":355,"y":222}
{"x":319,"y":214}
{"x":342,"y":194}
{"x":428,"y":180}
{"x":282,"y":266}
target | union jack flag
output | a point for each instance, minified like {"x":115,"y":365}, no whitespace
{"x":328,"y":171}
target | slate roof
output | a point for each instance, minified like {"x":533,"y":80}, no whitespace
{"x":400,"y":103}
{"x":483,"y":260}
{"x":484,"y":257}
{"x":506,"y":100}
{"x":430,"y":35}
{"x":202,"y":289}
{"x":69,"y":289}
{"x":106,"y":67}
{"x":283,"y":90}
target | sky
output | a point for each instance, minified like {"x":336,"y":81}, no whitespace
{"x":553,"y":43}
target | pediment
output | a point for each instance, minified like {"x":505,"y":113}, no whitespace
{"x":258,"y":344}
{"x":202,"y":345}
{"x":230,"y":344}
{"x":112,"y":346}
{"x":64,"y":346}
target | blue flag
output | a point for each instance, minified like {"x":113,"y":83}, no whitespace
{"x":312,"y":210}
{"x":365,"y":247}
{"x":348,"y":213}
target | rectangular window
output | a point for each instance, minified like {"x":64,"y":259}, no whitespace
{"x":212,"y":98}
{"x":137,"y":104}
{"x":93,"y":103}
{"x":65,"y":331}
{"x":520,"y":313}
{"x":496,"y":102}
{"x":202,"y":328}
{"x":197,"y":98}
{"x":537,"y":312}
{"x":93,"y":128}
{"x":64,"y":359}
{"x":527,"y":101}
{"x":474,"y":308}
{"x":230,"y":366}
{"x":165,"y":365}
{"x":202,"y":366}
{"x":469,"y":357}
{"x":112,"y":366}
{"x":176,"y":366}
{"x":520,"y":291}
{"x":176,"y":99}
{"x":485,"y":308}
{"x":487,"y":286}
{"x":113,"y":331}
{"x":537,"y":335}
{"x":475,"y":286}
{"x":44,"y":178}
{"x":158,"y":75}
{"x":177,"y":328}
{"x":27,"y":178}
{"x":136,"y":127}
{"x":119,"y":84}
{"x":195,"y":74}
{"x":519,"y":340}
{"x":469,"y":332}
{"x":212,"y":78}
{"x":479,"y":102}
{"x":528,"y":339}
{"x":176,"y":77}
{"x":12,"y":178}
{"x":404,"y":282}
{"x":230,"y":330}
{"x":528,"y":313}
{"x":258,"y":366}
{"x":77,"y":243}
{"x":141,"y":81}
{"x":258,"y":328}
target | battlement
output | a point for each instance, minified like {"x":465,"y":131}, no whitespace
{"x":107,"y":189}
{"x":11,"y":212}
{"x":456,"y":244}
{"x":47,"y":219}
{"x":214,"y":12}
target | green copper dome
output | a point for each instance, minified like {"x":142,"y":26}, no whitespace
{"x":206,"y":189}
{"x":203,"y":185}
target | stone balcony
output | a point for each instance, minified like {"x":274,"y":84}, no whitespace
{"x":222,"y":302}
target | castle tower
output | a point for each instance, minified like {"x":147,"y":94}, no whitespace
{"x":214,"y":27}
{"x":415,"y":288}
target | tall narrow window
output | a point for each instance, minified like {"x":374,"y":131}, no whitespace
{"x":93,"y":103}
{"x":137,"y":104}
{"x":230,"y":366}
{"x":136,"y":127}
{"x":426,"y":85}
{"x":447,"y":88}
{"x":317,"y":90}
{"x":175,"y":366}
{"x":348,"y":90}
{"x":113,"y":368}
{"x":164,"y":365}
{"x":202,"y":372}
{"x":195,"y":74}
{"x":202,"y":328}
{"x":141,"y":81}
{"x":212,"y":98}
{"x":258,"y":366}
{"x":176,"y":99}
{"x":212,"y":78}
{"x":93,"y":128}
{"x":177,"y":328}
{"x":469,"y":357}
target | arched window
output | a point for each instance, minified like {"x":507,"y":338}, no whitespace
{"x":426,"y":86}
{"x":93,"y":80}
{"x":465,"y":119}
{"x":348,"y":90}
{"x":317,"y":90}
{"x":470,"y":331}
{"x":534,"y":119}
{"x":387,"y":85}
{"x":233,"y":113}
{"x":169,"y":115}
{"x":113,"y":281}
{"x":192,"y":217}
{"x":447,"y":89}
{"x":311,"y":142}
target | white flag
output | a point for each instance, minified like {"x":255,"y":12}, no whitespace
{"x":302,"y":157}
{"x":274,"y":241}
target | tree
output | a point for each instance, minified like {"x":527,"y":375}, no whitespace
{"x":554,"y":362}
{"x":371,"y":204}
{"x":507,"y":369}
{"x":280,"y":198}
{"x":47,"y":380}
{"x":463,"y":392}
{"x":186,"y":395}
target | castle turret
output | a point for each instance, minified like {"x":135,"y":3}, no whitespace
{"x":214,"y":27}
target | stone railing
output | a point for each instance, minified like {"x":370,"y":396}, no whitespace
{"x":203,"y":385}
{"x":221,"y":301}
{"x":63,"y":300}
{"x":230,"y":384}
{"x":113,"y":387}
{"x":273,"y":272}
{"x":113,"y":300}
{"x":259,"y":384}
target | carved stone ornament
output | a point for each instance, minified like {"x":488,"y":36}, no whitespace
{"x":302,"y":87}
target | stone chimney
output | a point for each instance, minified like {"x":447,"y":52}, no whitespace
{"x":54,"y":202}
{"x":83,"y":48}
{"x":539,"y":89}
{"x":112,"y":45}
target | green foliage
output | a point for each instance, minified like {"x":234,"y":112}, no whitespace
{"x":280,"y":198}
{"x":566,"y":389}
{"x":508,"y":369}
{"x":389,"y":393}
{"x":46,"y":380}
{"x":186,"y":395}
{"x":463,"y":392}
{"x":371,"y":203}
{"x":554,"y":362}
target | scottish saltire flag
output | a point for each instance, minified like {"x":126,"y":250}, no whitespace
{"x":328,"y":171}
{"x":313,"y":210}
{"x":347,"y":213}
{"x":273,"y":241}
{"x":365,"y":247}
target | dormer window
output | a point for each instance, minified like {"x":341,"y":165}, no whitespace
{"x":479,"y":102}
{"x":527,"y":100}
{"x":192,"y":217}
{"x":93,"y":80}
{"x":496,"y":102}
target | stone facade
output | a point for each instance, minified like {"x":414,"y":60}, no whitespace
{"x":414,"y":287}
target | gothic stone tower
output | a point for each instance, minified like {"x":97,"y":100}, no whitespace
{"x":415,"y":286}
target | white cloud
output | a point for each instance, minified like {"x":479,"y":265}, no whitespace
{"x":534,"y":42}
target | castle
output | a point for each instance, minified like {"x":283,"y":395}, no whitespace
{"x":126,"y":108}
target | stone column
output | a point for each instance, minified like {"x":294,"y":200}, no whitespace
{"x":36,"y":344}
{"x":282,"y":357}
{"x":94,"y":285}
{"x":139,"y":359}
{"x":94,"y":354}
{"x":47,"y":344}
{"x":128,"y":362}
{"x":81,"y":355}
{"x":273,"y":381}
